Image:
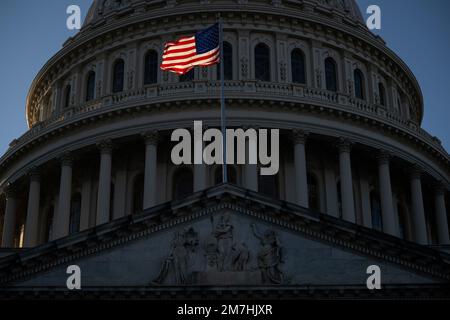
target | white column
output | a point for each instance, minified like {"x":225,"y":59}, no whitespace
{"x":120,"y":191}
{"x":301,"y":176}
{"x":9,"y":224}
{"x":104,"y":182}
{"x":345,"y":165}
{"x":418,"y":212}
{"x":251,"y":177}
{"x":251,"y":170}
{"x":31,"y":226}
{"x":441,"y":215}
{"x":387,"y":203}
{"x":200,"y":177}
{"x":62,"y":217}
{"x":151,"y":158}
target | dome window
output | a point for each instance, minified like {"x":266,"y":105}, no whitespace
{"x":382,"y":94}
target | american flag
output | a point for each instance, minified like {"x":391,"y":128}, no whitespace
{"x":183,"y":55}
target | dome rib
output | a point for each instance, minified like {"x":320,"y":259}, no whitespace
{"x":101,"y":8}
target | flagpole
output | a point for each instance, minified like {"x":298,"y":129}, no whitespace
{"x":222,"y":104}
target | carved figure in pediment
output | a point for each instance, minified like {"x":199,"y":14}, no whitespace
{"x":222,"y":253}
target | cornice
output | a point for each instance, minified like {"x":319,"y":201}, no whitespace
{"x":323,"y":228}
{"x":180,"y":103}
{"x":90,"y":37}
{"x":398,"y":292}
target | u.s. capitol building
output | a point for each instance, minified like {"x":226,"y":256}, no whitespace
{"x":92,"y":183}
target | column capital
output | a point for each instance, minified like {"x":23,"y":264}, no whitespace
{"x":105,"y":146}
{"x":66,"y":159}
{"x":344,"y":145}
{"x":34,"y":174}
{"x":415,"y":172}
{"x":151,"y":137}
{"x":384,"y":157}
{"x":299,"y":136}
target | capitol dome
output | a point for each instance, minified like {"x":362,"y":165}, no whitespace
{"x":357,"y":171}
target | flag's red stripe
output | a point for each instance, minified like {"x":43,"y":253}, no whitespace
{"x":175,"y":50}
{"x":190,"y":57}
{"x":182,"y":70}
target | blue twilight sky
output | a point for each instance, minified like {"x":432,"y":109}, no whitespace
{"x":31,"y":31}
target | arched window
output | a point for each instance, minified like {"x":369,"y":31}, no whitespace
{"x":298,"y":66}
{"x":90,"y":86}
{"x":151,"y":67}
{"x":359,"y":83}
{"x":187,"y":76}
{"x":268,"y":185}
{"x":183,"y":183}
{"x":118,"y":75}
{"x":231,"y":172}
{"x":138,"y":193}
{"x":331,"y":74}
{"x":375,"y":205}
{"x":382,"y":93}
{"x":75,"y":214}
{"x":262,"y":62}
{"x":48,"y":225}
{"x":228,"y":62}
{"x":67,"y":94}
{"x":313,"y":192}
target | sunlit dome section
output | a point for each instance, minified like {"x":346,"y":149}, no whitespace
{"x":354,"y":179}
{"x":101,"y":9}
{"x":349,"y":7}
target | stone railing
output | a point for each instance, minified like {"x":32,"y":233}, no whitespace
{"x":263,"y":90}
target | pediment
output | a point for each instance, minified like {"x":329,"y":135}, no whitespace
{"x":225,"y":236}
